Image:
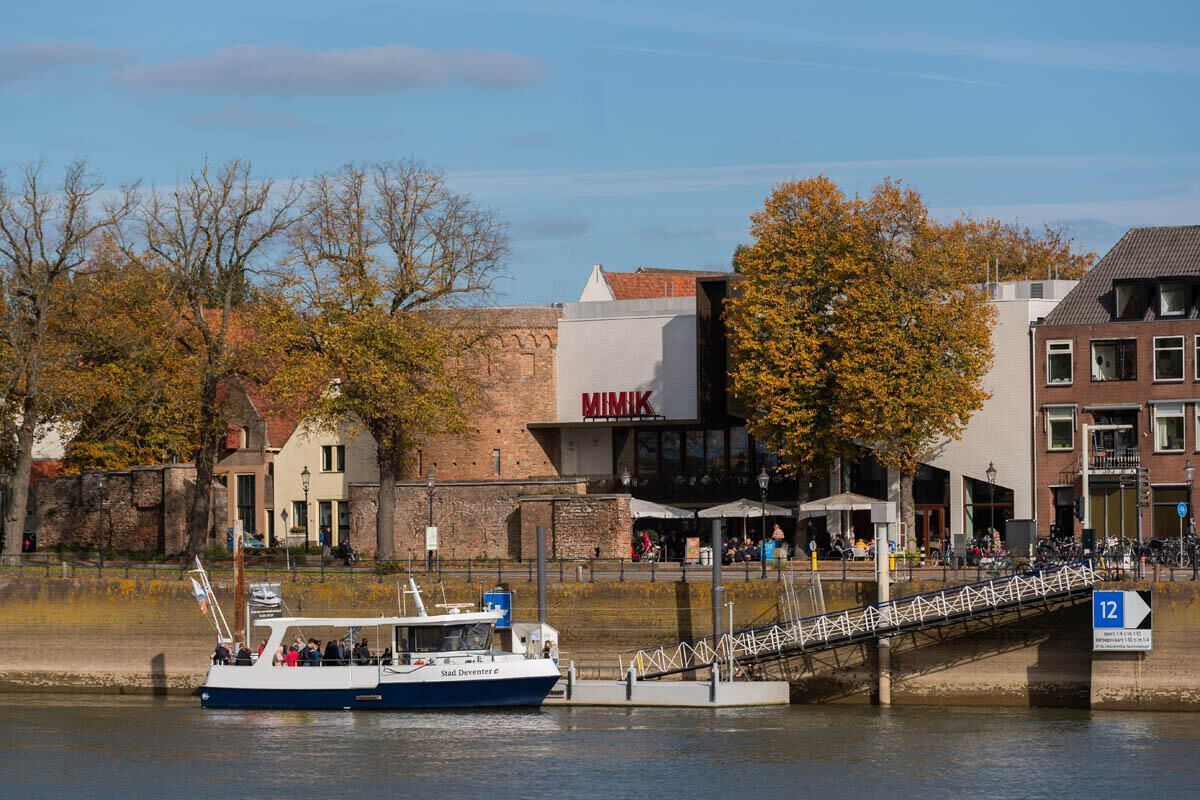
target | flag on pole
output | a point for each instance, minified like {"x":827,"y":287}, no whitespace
{"x":200,"y":595}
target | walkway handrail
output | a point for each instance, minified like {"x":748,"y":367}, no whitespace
{"x":824,"y":631}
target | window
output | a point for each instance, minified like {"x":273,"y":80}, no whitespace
{"x":647,"y":452}
{"x":1059,"y":362}
{"x":325,"y":522}
{"x":669,"y":454}
{"x":300,"y":516}
{"x":244,"y":438}
{"x":496,"y":463}
{"x":1166,"y":520}
{"x":1060,"y":427}
{"x":333,"y":458}
{"x":714,"y":446}
{"x":1168,"y":428}
{"x":1119,"y":442}
{"x":694,"y":463}
{"x":1114,"y":360}
{"x":1129,"y":301}
{"x":343,"y":522}
{"x":1172,"y":300}
{"x":245,"y":502}
{"x":739,"y":451}
{"x":1168,"y":358}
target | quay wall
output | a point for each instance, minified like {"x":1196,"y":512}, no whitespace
{"x":146,"y":635}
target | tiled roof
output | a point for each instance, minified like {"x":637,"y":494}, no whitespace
{"x":1148,"y":253}
{"x":648,"y":283}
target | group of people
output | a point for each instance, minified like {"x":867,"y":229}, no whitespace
{"x":307,"y":654}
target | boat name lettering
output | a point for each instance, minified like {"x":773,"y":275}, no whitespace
{"x":461,"y":673}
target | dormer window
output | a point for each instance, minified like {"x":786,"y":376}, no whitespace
{"x":1129,"y":301}
{"x":1172,"y":300}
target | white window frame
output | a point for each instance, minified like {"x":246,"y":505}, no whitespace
{"x":1049,"y":413}
{"x":1182,"y":355}
{"x":1070,"y":353}
{"x":1162,"y":289}
{"x":1159,"y":414}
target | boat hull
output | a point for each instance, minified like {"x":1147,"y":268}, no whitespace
{"x":520,"y":691}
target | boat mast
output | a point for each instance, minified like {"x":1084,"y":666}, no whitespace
{"x":416,"y":593}
{"x":214,"y":608}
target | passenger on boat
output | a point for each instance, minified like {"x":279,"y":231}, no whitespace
{"x":292,"y":659}
{"x":362,"y":653}
{"x":262,"y":646}
{"x":330,"y":658}
{"x":221,"y":654}
{"x":277,"y":661}
{"x":386,"y":658}
{"x":243,"y":657}
{"x":313,"y":653}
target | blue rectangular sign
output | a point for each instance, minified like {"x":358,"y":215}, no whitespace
{"x":1108,"y":609}
{"x":768,"y":552}
{"x":500,"y":601}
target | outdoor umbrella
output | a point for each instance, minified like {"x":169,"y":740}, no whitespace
{"x":644,"y":508}
{"x":744,"y":508}
{"x":846,"y":501}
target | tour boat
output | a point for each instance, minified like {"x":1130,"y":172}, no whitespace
{"x":440,"y":661}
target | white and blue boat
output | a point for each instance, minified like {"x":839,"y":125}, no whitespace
{"x":429,"y":661}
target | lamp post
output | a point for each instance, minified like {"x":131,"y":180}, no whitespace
{"x":430,"y":481}
{"x":764,"y":480}
{"x":1189,"y":475}
{"x":991,"y":476}
{"x":305,"y":480}
{"x":101,"y":479}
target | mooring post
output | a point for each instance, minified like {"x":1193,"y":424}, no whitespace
{"x":541,"y":573}
{"x":717,"y":588}
{"x":570,"y":679}
{"x":881,"y":515}
{"x":629,"y":679}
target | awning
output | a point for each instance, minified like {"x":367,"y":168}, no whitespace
{"x":846,"y":501}
{"x":744,"y":508}
{"x":644,"y":508}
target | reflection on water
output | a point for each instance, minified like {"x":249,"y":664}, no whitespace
{"x":52,"y":746}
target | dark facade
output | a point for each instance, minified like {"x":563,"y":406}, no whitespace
{"x":1122,"y":349}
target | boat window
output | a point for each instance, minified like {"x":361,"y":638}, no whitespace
{"x":452,"y":637}
{"x":477,"y":636}
{"x":425,"y":639}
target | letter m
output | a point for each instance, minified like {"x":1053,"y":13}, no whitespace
{"x":591,"y":404}
{"x":616,"y":405}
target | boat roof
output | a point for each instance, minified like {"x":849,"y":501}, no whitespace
{"x":370,"y":622}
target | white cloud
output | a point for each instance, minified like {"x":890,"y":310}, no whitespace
{"x":278,"y":70}
{"x":23,"y":60}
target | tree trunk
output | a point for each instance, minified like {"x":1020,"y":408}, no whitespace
{"x":385,"y":514}
{"x":198,"y":516}
{"x":908,"y":514}
{"x":14,"y":518}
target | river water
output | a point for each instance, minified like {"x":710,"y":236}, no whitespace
{"x":65,"y":746}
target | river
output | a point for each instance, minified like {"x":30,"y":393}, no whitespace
{"x":123,"y":747}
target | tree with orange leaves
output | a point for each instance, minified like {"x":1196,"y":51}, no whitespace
{"x":856,"y":324}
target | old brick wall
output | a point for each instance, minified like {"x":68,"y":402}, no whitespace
{"x":577,"y":525}
{"x":143,"y":509}
{"x":519,"y":374}
{"x":497,"y":519}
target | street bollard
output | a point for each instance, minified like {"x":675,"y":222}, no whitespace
{"x":322,"y":567}
{"x":560,"y":570}
{"x":683,"y":571}
{"x":530,"y":572}
{"x":844,"y":559}
{"x":622,"y":570}
{"x":468,"y":570}
{"x":652,"y":563}
{"x":579,"y":573}
{"x":126,"y":566}
{"x":499,"y":571}
{"x":746,"y":564}
{"x":591,"y":571}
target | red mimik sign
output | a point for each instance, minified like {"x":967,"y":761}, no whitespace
{"x":617,"y":404}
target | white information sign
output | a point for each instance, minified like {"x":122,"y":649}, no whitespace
{"x":431,"y":542}
{"x":1121,"y":620}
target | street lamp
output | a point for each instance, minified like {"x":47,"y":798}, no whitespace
{"x":305,"y":480}
{"x":1189,"y":475}
{"x":626,"y":478}
{"x":430,"y":481}
{"x":991,"y":476}
{"x":764,"y":480}
{"x":100,"y":526}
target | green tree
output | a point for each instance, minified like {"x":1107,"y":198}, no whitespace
{"x":377,"y":330}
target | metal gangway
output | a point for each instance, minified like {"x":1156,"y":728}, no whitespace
{"x":864,"y":623}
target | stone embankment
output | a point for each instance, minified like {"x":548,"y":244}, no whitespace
{"x":146,"y":635}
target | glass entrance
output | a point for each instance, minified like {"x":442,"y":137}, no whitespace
{"x":930,"y":523}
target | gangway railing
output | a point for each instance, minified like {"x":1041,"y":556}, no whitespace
{"x":874,"y":621}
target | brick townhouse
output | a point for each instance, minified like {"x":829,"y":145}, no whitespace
{"x":1122,"y":349}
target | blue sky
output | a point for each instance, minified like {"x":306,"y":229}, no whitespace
{"x":629,"y":133}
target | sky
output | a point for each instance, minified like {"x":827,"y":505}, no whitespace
{"x":631,"y":133}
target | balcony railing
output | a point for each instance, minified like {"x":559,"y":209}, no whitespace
{"x":1121,"y":458}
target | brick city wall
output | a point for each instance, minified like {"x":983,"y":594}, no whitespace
{"x":518,"y":373}
{"x":1060,"y":468}
{"x":578,"y":526}
{"x":143,"y":509}
{"x":497,"y":519}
